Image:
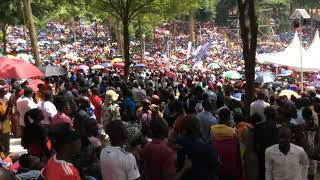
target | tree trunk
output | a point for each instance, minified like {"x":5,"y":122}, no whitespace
{"x":97,"y":30}
{"x":191,"y":26}
{"x":142,"y":40}
{"x":126,"y":47}
{"x":4,"y":39}
{"x":249,"y":43}
{"x":73,"y":29}
{"x":32,"y":32}
{"x":116,"y":26}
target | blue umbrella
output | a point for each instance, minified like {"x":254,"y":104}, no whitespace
{"x":264,"y":77}
{"x":140,"y":66}
{"x":284,"y":73}
{"x":106,"y":65}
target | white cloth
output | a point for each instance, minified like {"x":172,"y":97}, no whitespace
{"x":300,"y":119}
{"x":24,"y":104}
{"x":118,"y":164}
{"x":48,"y":109}
{"x":293,"y":166}
{"x":257,"y":107}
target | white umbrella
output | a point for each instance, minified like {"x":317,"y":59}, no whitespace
{"x":97,"y":66}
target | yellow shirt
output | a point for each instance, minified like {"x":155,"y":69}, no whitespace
{"x":222,"y":132}
{"x":5,"y":125}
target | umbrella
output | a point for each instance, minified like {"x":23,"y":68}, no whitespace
{"x":83,"y":67}
{"x":97,"y":66}
{"x":231,"y":75}
{"x":106,"y":65}
{"x":33,"y":84}
{"x":116,"y":60}
{"x":140,"y":66}
{"x":184,"y":67}
{"x":214,"y":66}
{"x":69,"y":46}
{"x":289,"y":93}
{"x":284,"y":73}
{"x":55,"y":42}
{"x":21,"y":41}
{"x":264,"y":77}
{"x":118,"y":65}
{"x":13,"y":68}
{"x":50,"y":70}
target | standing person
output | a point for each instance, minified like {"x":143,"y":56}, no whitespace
{"x":265,"y":135}
{"x":35,"y":137}
{"x":115,"y":162}
{"x":66,"y":143}
{"x":24,"y":104}
{"x":257,"y":107}
{"x":202,"y":155}
{"x":226,"y":145}
{"x":286,"y":161}
{"x":48,"y":109}
{"x":163,"y":165}
{"x":63,"y":108}
{"x":96,"y":102}
{"x":5,"y":128}
{"x":110,"y":109}
{"x":206,"y":120}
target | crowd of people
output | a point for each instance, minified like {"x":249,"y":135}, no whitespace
{"x":163,"y":122}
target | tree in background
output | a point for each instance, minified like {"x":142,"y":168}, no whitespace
{"x":125,"y":11}
{"x":249,"y":32}
{"x":32,"y":31}
{"x":9,"y":15}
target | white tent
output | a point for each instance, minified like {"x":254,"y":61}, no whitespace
{"x":313,"y":54}
{"x":292,"y":56}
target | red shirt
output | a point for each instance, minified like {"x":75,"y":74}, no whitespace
{"x":159,"y":160}
{"x":60,"y":170}
{"x":96,"y":102}
{"x":60,"y":118}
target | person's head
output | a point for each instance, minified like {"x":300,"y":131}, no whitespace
{"x":191,"y":126}
{"x":95,"y":91}
{"x":6,"y":174}
{"x":159,"y":128}
{"x":207,"y":105}
{"x":224,"y":115}
{"x":261,"y":96}
{"x":28,"y":92}
{"x":62,"y":104}
{"x":28,"y":161}
{"x":307,"y":115}
{"x":40,"y":87}
{"x":65,"y":141}
{"x":270,"y":113}
{"x":255,"y":118}
{"x":33,"y":116}
{"x":284,"y":137}
{"x":48,"y":96}
{"x":117,"y":133}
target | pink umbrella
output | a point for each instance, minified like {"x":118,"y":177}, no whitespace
{"x":33,"y":84}
{"x":118,"y":65}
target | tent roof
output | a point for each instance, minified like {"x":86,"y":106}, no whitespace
{"x":300,"y":13}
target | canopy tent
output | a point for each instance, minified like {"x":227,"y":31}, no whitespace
{"x":294,"y":56}
{"x":300,"y":14}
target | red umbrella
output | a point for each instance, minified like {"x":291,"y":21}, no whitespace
{"x":118,"y":65}
{"x":13,"y":68}
{"x":33,"y":84}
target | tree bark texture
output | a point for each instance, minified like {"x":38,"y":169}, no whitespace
{"x":191,"y":26}
{"x":249,"y":31}
{"x":32,"y":31}
{"x":126,"y":47}
{"x":4,"y":39}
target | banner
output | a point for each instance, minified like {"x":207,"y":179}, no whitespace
{"x":204,"y":50}
{"x":189,"y":49}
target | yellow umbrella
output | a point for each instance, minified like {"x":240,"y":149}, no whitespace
{"x":116,"y":60}
{"x":289,"y":93}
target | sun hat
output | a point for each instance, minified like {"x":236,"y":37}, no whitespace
{"x":111,"y":95}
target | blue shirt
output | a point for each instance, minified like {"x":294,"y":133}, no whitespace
{"x":206,"y":120}
{"x":202,"y":155}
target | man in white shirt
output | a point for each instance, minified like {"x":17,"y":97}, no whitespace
{"x":115,"y":162}
{"x":24,"y":104}
{"x":286,"y":161}
{"x":257,"y":107}
{"x":48,"y":108}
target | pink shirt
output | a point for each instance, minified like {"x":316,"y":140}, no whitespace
{"x":60,"y":118}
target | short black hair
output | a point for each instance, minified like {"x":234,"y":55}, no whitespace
{"x":24,"y":160}
{"x":224,"y":115}
{"x":159,"y":127}
{"x":117,"y":132}
{"x":191,"y":126}
{"x":207,"y":105}
{"x":28,"y":91}
{"x":60,"y":102}
{"x":62,"y":134}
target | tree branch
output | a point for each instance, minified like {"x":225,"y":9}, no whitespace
{"x":142,"y":6}
{"x":110,"y":3}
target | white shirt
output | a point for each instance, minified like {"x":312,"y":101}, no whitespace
{"x":48,"y":109}
{"x":293,"y":166}
{"x":257,"y":107}
{"x":118,"y":164}
{"x":24,"y":104}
